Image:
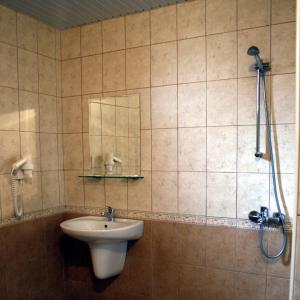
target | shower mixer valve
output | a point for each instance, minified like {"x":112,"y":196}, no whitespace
{"x":264,"y":218}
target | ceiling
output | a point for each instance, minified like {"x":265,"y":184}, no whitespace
{"x":64,"y":14}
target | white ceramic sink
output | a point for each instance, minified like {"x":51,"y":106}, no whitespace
{"x":107,"y":240}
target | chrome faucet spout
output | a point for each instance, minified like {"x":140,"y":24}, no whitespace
{"x":110,"y":213}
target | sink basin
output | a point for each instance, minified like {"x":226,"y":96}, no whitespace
{"x":107,"y":240}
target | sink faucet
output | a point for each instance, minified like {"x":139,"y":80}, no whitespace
{"x":110,"y":213}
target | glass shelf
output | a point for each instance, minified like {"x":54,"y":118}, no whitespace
{"x":134,"y":177}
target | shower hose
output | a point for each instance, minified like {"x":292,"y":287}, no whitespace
{"x":17,"y":203}
{"x":280,"y":214}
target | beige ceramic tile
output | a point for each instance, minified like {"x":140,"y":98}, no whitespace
{"x":283,"y":48}
{"x":29,"y":111}
{"x":70,"y":43}
{"x":10,"y":150}
{"x":246,"y":149}
{"x":50,"y":189}
{"x":283,"y":11}
{"x":92,"y":74}
{"x":73,"y":151}
{"x":221,"y":195}
{"x":8,"y":66}
{"x":73,"y":191}
{"x":58,"y":44}
{"x":58,"y":78}
{"x":60,"y":151}
{"x":220,"y":16}
{"x":164,"y":107}
{"x":192,"y":149}
{"x":114,"y":71}
{"x":138,"y":67}
{"x":46,"y":40}
{"x":94,"y":195}
{"x":252,"y":192}
{"x":8,"y":25}
{"x":48,"y":114}
{"x":59,"y":115}
{"x":113,"y":32}
{"x":222,"y":102}
{"x":6,"y":197}
{"x":9,"y":116}
{"x":255,"y":13}
{"x":85,"y":110}
{"x":138,"y":29}
{"x":116,"y":193}
{"x":72,"y":115}
{"x":278,"y":287}
{"x":28,"y":70}
{"x":32,"y":193}
{"x":192,"y":104}
{"x":49,"y":154}
{"x":164,"y":149}
{"x":283,"y":98}
{"x":222,"y":56}
{"x":191,"y":19}
{"x":139,"y":193}
{"x":30,"y":145}
{"x":191,"y":60}
{"x":87,"y":155}
{"x":192,"y":193}
{"x":146,"y":150}
{"x":221,"y":149}
{"x":61,"y":188}
{"x":163,"y":24}
{"x":164,"y":64}
{"x":71,"y":77}
{"x":91,"y":39}
{"x":27,"y":32}
{"x":259,"y":37}
{"x":164,"y":192}
{"x":47,"y":75}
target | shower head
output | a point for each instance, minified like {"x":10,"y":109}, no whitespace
{"x":253,"y":51}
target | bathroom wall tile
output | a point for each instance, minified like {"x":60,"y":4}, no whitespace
{"x":259,"y":37}
{"x":277,"y":287}
{"x":72,"y":114}
{"x":116,"y":193}
{"x":27,"y":32}
{"x":252,"y":192}
{"x":138,"y":29}
{"x":91,"y":39}
{"x":58,"y":44}
{"x":192,"y":193}
{"x":8,"y":67}
{"x":139,"y":193}
{"x":254,"y":14}
{"x":47,"y":75}
{"x":87,"y":165}
{"x":28,"y":70}
{"x":50,"y":189}
{"x":222,"y":102}
{"x":32,"y":193}
{"x":283,"y":11}
{"x":48,"y":116}
{"x":247,"y":147}
{"x":145,"y":150}
{"x":70,"y":43}
{"x":94,"y":194}
{"x":164,"y":64}
{"x":164,"y":107}
{"x":221,"y":146}
{"x":192,"y":104}
{"x":60,"y":151}
{"x":192,"y":149}
{"x":92,"y":74}
{"x":164,"y":192}
{"x":73,"y":192}
{"x":61,"y":187}
{"x":58,"y":78}
{"x":9,"y":116}
{"x":8,"y":25}
{"x":10,"y":150}
{"x":283,"y":98}
{"x":30,"y":145}
{"x":283,"y":42}
{"x":163,"y":24}
{"x":46,"y":40}
{"x":113,"y":32}
{"x":71,"y":77}
{"x":164,"y":149}
{"x":73,"y":153}
{"x":7,"y":209}
{"x":59,"y":115}
{"x":221,"y":195}
{"x":191,"y":19}
{"x":191,"y":60}
{"x":220,"y":16}
{"x":138,"y":67}
{"x":114,"y":71}
{"x":49,"y":154}
{"x":222,"y":56}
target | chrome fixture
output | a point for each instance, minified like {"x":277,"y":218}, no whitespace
{"x":109,"y":213}
{"x":262,"y":218}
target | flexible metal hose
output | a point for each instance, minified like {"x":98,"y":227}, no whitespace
{"x":18,"y":206}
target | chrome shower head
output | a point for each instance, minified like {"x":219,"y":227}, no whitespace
{"x":253,"y":51}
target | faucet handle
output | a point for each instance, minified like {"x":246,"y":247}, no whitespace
{"x":109,"y":209}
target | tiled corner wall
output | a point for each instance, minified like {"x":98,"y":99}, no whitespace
{"x":189,"y":64}
{"x":30,"y":114}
